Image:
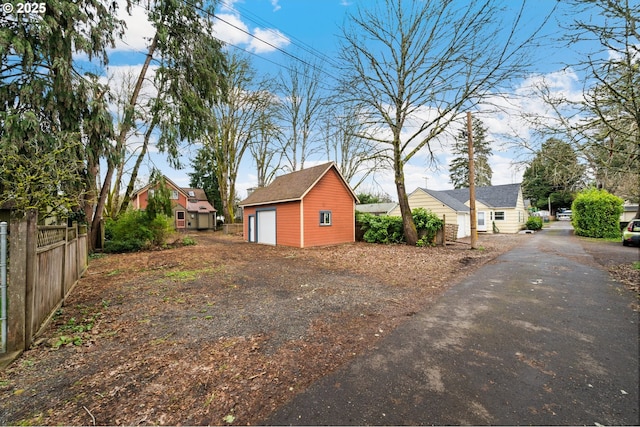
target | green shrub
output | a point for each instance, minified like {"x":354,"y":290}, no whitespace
{"x":534,"y":223}
{"x":134,"y":230}
{"x":188,"y":241}
{"x":381,"y":229}
{"x":596,"y":213}
{"x":427,"y":225}
{"x":389,"y":229}
{"x":161,"y":227}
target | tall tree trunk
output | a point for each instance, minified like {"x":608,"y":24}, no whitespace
{"x":127,"y":123}
{"x":408,"y":226}
{"x":136,"y":168}
{"x":115,"y":195}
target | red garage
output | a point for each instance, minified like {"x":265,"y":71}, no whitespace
{"x":310,"y":207}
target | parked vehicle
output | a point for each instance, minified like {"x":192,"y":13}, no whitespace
{"x":565,"y":215}
{"x":631,"y":233}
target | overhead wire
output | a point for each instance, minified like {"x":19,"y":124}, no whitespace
{"x":318,"y":55}
{"x":279,"y":49}
{"x":250,"y":16}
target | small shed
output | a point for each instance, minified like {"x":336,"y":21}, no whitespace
{"x":310,"y":207}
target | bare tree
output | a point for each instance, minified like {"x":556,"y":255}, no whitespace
{"x":265,"y":147}
{"x":414,"y":66}
{"x":603,"y":124}
{"x":300,"y":107}
{"x":357,"y":158}
{"x":612,"y":105}
{"x":237,"y":120}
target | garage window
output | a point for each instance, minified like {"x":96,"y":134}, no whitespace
{"x":325,"y":217}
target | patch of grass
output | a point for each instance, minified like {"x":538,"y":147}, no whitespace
{"x":114,"y":272}
{"x":636,"y":265}
{"x":36,"y":420}
{"x":188,"y":241}
{"x":162,"y":340}
{"x":27,"y":363}
{"x":190,"y":275}
{"x":601,"y":239}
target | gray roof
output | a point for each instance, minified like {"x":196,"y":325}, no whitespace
{"x":495,"y":196}
{"x":376,"y":207}
{"x":448,"y":200}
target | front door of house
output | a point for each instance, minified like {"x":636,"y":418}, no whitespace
{"x":482,"y":221}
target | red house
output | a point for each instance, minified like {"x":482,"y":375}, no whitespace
{"x":190,"y":207}
{"x":310,"y":207}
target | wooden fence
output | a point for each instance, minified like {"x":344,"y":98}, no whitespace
{"x":45,"y":262}
{"x":232,"y":229}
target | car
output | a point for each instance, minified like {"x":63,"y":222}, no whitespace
{"x":631,"y":233}
{"x":564,"y":215}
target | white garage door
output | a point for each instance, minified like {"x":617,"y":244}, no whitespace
{"x":266,"y":227}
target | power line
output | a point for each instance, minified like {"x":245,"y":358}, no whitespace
{"x":279,"y":49}
{"x":315,"y":53}
{"x":269,"y":27}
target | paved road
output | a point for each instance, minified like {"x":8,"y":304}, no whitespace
{"x":540,"y":336}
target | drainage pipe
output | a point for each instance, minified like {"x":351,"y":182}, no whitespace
{"x":3,"y":284}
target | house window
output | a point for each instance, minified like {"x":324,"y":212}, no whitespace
{"x":174,"y":194}
{"x":498,"y":216}
{"x":180,"y":215}
{"x":325,"y":217}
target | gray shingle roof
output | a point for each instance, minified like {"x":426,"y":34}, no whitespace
{"x":448,"y":200}
{"x":376,"y":207}
{"x":495,"y":196}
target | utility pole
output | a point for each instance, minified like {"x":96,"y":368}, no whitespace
{"x":472,"y":186}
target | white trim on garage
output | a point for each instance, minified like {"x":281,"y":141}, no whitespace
{"x":266,"y":226}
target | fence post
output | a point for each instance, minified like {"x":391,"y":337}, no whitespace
{"x":444,"y":229}
{"x":3,"y":285}
{"x":22,"y":248}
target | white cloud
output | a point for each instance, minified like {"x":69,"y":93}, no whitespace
{"x":230,"y":29}
{"x":276,"y":5}
{"x":267,"y":40}
{"x":138,"y":32}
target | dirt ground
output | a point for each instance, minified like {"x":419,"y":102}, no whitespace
{"x":222,"y":332}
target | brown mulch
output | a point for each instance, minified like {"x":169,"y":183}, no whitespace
{"x":222,"y":332}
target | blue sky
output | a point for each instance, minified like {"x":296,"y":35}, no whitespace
{"x":310,"y":29}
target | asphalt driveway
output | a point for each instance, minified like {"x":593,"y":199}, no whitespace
{"x":541,"y":336}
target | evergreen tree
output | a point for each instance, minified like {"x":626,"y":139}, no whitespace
{"x":54,"y":121}
{"x":554,"y":173}
{"x":159,"y":201}
{"x":204,"y":176}
{"x":459,"y":166}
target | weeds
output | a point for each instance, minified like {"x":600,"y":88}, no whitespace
{"x":73,"y":331}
